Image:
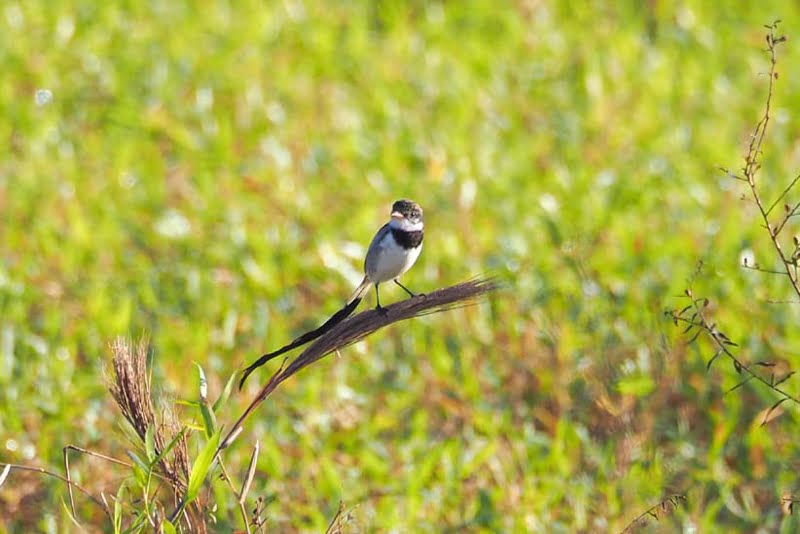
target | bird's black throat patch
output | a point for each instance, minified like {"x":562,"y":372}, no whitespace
{"x":407,"y":239}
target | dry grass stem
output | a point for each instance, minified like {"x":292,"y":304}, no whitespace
{"x":337,"y":524}
{"x":663,"y":509}
{"x":365,"y":323}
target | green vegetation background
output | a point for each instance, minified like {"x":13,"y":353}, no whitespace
{"x":210,"y":175}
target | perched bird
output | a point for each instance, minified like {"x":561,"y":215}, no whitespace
{"x":392,"y":252}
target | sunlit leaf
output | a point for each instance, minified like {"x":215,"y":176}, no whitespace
{"x":141,"y":469}
{"x":200,"y":468}
{"x":149,"y":443}
{"x":203,"y":387}
{"x":225,"y":393}
{"x":767,"y":416}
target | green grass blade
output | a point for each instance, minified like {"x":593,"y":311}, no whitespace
{"x":201,"y":467}
{"x":226,"y":392}
{"x":209,"y":421}
{"x":149,"y":443}
{"x":140,"y":468}
{"x":118,"y":508}
{"x":169,"y":447}
{"x":203,"y":387}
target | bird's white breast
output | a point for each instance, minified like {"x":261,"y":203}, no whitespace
{"x":391,"y":260}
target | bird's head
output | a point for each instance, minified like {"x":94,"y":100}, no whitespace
{"x":406,"y":215}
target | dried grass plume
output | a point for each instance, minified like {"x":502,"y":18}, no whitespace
{"x":130,"y":386}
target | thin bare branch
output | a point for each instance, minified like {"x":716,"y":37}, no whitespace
{"x":762,"y":270}
{"x":662,"y":509}
{"x":77,"y":486}
{"x":753,"y":163}
{"x":251,"y":472}
{"x":65,"y":452}
{"x":239,"y":499}
{"x":783,"y":194}
{"x":336,"y":525}
{"x":724,"y":345}
{"x":68,"y":475}
{"x":789,"y":214}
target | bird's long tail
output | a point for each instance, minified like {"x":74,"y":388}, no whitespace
{"x":335,"y":319}
{"x":360,"y":291}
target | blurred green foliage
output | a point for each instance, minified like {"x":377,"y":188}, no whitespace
{"x":211,"y":174}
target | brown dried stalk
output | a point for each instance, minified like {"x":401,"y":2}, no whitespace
{"x":362,"y":325}
{"x":659,"y":511}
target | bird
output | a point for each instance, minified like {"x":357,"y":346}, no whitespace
{"x":391,"y":253}
{"x":393,"y":250}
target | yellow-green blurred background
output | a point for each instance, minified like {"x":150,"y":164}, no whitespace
{"x":210,"y":173}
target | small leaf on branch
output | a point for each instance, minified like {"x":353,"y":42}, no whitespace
{"x":784,"y":379}
{"x":694,"y":337}
{"x":740,"y":384}
{"x":714,"y":357}
{"x":772,"y":408}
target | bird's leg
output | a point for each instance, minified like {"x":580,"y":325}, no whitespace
{"x":378,"y":300}
{"x":396,"y":281}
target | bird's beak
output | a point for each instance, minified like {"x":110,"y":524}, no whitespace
{"x":397,"y":215}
